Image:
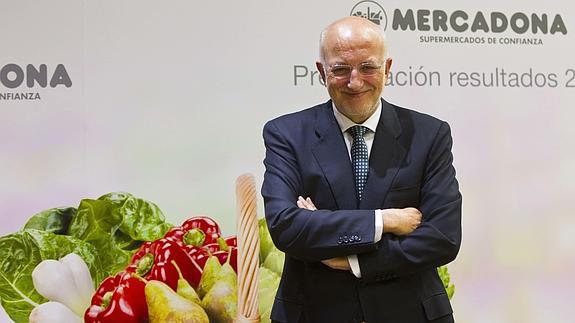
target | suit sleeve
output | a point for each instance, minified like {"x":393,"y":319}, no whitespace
{"x":303,"y":234}
{"x":437,"y":240}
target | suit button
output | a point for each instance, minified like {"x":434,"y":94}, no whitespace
{"x":339,"y":240}
{"x":358,"y":238}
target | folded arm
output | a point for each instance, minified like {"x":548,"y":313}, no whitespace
{"x":395,"y":221}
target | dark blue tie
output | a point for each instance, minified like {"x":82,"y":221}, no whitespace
{"x":359,"y":158}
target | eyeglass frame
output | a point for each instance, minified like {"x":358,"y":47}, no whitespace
{"x":349,"y":69}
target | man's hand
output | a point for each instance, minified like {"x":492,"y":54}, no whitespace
{"x":339,"y":263}
{"x":401,"y":221}
{"x":305,"y":203}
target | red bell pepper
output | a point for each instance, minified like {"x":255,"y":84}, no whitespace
{"x":200,"y":255}
{"x":232,"y":241}
{"x":119,"y":298}
{"x":206,"y":224}
{"x":154,"y":262}
{"x":234,"y":258}
{"x":201,"y":237}
{"x":197,"y":231}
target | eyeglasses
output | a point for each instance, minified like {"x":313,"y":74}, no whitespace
{"x":344,"y":71}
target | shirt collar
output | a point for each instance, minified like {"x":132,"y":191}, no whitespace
{"x":345,"y":123}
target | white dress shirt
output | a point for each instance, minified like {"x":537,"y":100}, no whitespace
{"x":371,"y":123}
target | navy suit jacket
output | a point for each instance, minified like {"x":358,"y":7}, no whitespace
{"x":410,"y":166}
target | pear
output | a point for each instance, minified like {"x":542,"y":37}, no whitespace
{"x":209,"y":275}
{"x":165,"y":305}
{"x":221,"y":301}
{"x":227,"y":273}
{"x":184,"y":288}
{"x":268,"y":285}
{"x":275,"y":261}
{"x":266,"y":243}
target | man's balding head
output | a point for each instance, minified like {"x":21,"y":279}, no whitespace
{"x":350,"y":28}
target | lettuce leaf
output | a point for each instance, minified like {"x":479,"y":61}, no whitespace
{"x":54,"y":220}
{"x":116,"y":224}
{"x":96,"y":223}
{"x":21,"y":252}
{"x":140,"y":219}
{"x":446,"y":280}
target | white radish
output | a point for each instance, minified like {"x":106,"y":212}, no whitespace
{"x":55,"y":281}
{"x":82,"y":277}
{"x":53,"y":312}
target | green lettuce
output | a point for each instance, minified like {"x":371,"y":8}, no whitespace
{"x":54,"y":220}
{"x":21,"y":252}
{"x":140,"y":219}
{"x":445,"y":278}
{"x":117,"y":224}
{"x":96,"y":224}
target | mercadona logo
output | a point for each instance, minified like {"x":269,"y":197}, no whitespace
{"x":461,"y":21}
{"x":372,"y":11}
{"x":30,"y":78}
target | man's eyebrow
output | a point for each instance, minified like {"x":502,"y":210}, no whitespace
{"x":366,"y":62}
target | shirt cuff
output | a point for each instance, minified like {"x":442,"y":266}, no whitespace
{"x":354,"y":264}
{"x":378,"y":226}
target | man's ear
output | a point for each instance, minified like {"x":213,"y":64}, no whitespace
{"x":321,"y":71}
{"x":388,"y":67}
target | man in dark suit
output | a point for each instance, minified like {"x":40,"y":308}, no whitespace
{"x":361,"y":195}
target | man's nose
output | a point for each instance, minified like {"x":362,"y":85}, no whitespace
{"x":355,"y":80}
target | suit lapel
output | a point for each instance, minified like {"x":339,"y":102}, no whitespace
{"x":331,"y":154}
{"x":385,"y":158}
